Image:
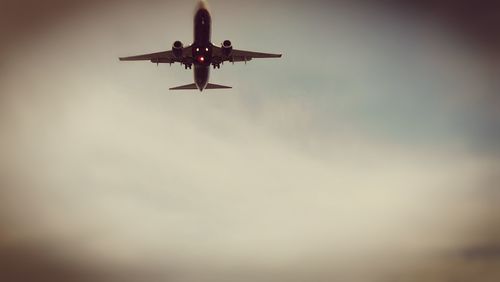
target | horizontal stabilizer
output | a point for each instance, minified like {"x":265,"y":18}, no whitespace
{"x":215,"y":86}
{"x":191,"y":86}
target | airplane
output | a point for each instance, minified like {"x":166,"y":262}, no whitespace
{"x":201,"y":53}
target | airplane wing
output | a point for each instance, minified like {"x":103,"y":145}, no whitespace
{"x":167,"y":57}
{"x":242,"y":56}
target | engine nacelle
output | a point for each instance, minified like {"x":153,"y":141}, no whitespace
{"x":177,"y":48}
{"x":227,"y":47}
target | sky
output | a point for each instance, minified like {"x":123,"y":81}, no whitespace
{"x":369,"y":152}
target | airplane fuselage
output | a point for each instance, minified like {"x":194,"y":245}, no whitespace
{"x":202,"y":46}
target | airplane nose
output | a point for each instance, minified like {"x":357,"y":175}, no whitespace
{"x":202,"y":5}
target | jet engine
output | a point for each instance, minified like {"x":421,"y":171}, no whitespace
{"x":227,"y":47}
{"x":177,"y":48}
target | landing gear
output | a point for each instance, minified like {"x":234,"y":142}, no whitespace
{"x":216,"y":66}
{"x":188,"y":66}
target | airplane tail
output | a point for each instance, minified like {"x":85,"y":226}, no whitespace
{"x":193,"y":86}
{"x":185,"y":87}
{"x":216,"y":86}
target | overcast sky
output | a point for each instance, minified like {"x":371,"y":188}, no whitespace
{"x":369,"y":152}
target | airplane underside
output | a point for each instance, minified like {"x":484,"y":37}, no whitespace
{"x":202,"y":53}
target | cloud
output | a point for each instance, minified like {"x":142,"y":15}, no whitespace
{"x":482,"y":253}
{"x":105,"y":174}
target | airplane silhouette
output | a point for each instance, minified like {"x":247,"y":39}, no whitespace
{"x":202,"y":53}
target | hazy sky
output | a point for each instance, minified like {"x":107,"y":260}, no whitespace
{"x":369,"y":152}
